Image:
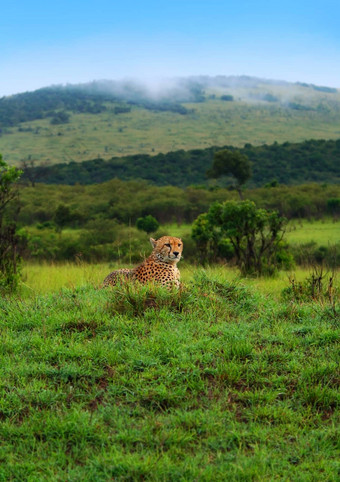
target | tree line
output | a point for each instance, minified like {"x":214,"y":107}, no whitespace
{"x":47,"y":102}
{"x":126,"y":201}
{"x":92,"y":98}
{"x":287,"y":163}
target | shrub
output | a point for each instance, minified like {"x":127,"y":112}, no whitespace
{"x":318,"y":286}
{"x":149,"y":224}
{"x":254,"y":234}
{"x":310,"y":253}
{"x":9,"y":239}
{"x":227,"y":98}
{"x":333,"y":206}
{"x":60,"y":118}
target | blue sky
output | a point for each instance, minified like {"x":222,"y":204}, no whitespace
{"x":71,"y":41}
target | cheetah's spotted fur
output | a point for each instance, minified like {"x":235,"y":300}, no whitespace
{"x":160,"y":266}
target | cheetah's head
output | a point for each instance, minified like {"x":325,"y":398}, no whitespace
{"x":167,"y":249}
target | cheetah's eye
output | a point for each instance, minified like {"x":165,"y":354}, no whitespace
{"x":179,"y":245}
{"x":168,"y":245}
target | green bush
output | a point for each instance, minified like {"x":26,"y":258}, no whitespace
{"x":307,"y":254}
{"x":103,"y":240}
{"x":60,"y":118}
{"x":253,"y":236}
{"x":9,"y":240}
{"x":148,"y":223}
{"x":318,"y":286}
{"x":333,"y":206}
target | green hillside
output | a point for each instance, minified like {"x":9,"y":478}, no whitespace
{"x":105,"y":120}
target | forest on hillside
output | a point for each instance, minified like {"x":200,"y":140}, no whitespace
{"x":91,"y":98}
{"x":288,"y":163}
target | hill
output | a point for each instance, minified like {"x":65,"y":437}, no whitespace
{"x":309,"y":161}
{"x":108,"y":119}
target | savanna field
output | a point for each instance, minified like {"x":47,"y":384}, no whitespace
{"x":228,"y":379}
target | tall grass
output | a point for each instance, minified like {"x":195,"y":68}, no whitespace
{"x":46,"y":278}
{"x":40,"y":278}
{"x":214,"y":382}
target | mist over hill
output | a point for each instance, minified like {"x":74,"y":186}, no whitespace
{"x":158,"y":95}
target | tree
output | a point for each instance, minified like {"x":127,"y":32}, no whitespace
{"x":9,"y":240}
{"x":60,"y":118}
{"x":149,"y":224}
{"x":254,"y":234}
{"x":29,"y":169}
{"x":62,"y":217}
{"x":333,"y":206}
{"x":231,"y":163}
{"x":207,"y":239}
{"x":227,"y":98}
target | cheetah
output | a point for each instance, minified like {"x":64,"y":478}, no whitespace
{"x":160,"y":266}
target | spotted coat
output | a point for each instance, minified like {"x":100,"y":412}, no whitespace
{"x":160,"y":266}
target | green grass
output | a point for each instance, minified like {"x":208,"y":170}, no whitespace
{"x":323,"y":232}
{"x":48,"y":277}
{"x":213,"y":122}
{"x":216,"y":382}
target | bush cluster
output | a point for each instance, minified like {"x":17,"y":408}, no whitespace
{"x":254,"y":237}
{"x":127,"y":201}
{"x":98,"y":221}
{"x":311,"y":253}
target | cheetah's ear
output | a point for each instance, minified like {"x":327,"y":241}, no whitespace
{"x":153,"y":242}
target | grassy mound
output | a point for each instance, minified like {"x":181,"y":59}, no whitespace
{"x":215,"y":382}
